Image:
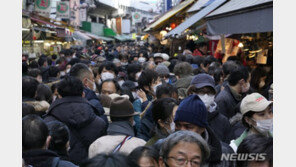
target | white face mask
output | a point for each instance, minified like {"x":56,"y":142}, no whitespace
{"x":264,"y":126}
{"x":99,"y":81}
{"x":142,"y":59}
{"x":63,"y":73}
{"x":68,"y":70}
{"x":245,"y":89}
{"x":207,"y":99}
{"x":155,"y":87}
{"x":138,"y":74}
{"x":39,"y":79}
{"x":107,"y":75}
{"x":94,"y":85}
{"x":135,"y":95}
{"x":167,"y":80}
{"x":124,"y":63}
{"x":120,"y":82}
{"x":172,"y":128}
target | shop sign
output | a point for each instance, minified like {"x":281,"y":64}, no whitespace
{"x":43,"y":7}
{"x":137,"y":17}
{"x":63,"y":10}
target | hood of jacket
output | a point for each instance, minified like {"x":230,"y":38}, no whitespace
{"x":39,"y":157}
{"x":121,"y":128}
{"x":73,"y":110}
{"x":90,"y":94}
{"x":184,"y":82}
{"x":214,"y":144}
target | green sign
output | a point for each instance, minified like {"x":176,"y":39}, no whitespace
{"x":62,"y":7}
{"x":43,"y":4}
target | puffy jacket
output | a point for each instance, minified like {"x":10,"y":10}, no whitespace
{"x":85,"y":126}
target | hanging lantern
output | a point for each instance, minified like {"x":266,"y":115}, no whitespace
{"x":173,"y":25}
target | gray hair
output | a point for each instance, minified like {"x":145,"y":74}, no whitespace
{"x":183,"y":69}
{"x":184,"y":136}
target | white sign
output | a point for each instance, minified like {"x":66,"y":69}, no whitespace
{"x":43,"y":7}
{"x":126,"y":26}
{"x":63,"y":9}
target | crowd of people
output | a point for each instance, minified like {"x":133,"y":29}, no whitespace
{"x":131,"y":104}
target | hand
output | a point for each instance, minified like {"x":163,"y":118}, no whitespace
{"x":142,"y":94}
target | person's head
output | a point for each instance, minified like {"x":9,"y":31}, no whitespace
{"x":206,"y":63}
{"x":53,"y":71}
{"x":203,"y":47}
{"x":29,"y":87}
{"x":60,"y":136}
{"x":218,"y":76}
{"x":144,"y":156}
{"x":258,"y":78}
{"x":228,"y":67}
{"x":43,"y":93}
{"x":35,"y":134}
{"x":108,"y":87}
{"x":108,"y":70}
{"x":182,"y":69}
{"x":35,"y":73}
{"x":163,"y":72}
{"x":148,"y":81}
{"x":158,"y":58}
{"x":121,"y":109}
{"x":27,"y":109}
{"x":149,"y":65}
{"x":257,"y":144}
{"x":239,"y":79}
{"x":204,"y":86}
{"x":42,"y":62}
{"x":33,"y":64}
{"x":134,"y":72}
{"x":84,"y":74}
{"x":191,"y":115}
{"x":257,"y":113}
{"x":108,"y":160}
{"x":167,"y":91}
{"x":163,"y":111}
{"x":123,"y":60}
{"x":183,"y":148}
{"x":70,"y":86}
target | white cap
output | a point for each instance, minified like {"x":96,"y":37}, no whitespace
{"x":254,"y":102}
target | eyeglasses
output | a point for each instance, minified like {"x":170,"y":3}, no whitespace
{"x":182,"y":161}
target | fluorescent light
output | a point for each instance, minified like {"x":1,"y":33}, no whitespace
{"x":240,"y":45}
{"x":38,"y":41}
{"x":25,"y":29}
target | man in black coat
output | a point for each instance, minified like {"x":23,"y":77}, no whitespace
{"x":204,"y":86}
{"x":79,"y":115}
{"x":35,"y":142}
{"x":238,"y":84}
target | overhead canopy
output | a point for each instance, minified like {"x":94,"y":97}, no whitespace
{"x":81,"y":36}
{"x":169,"y":14}
{"x":99,"y":37}
{"x":198,"y":5}
{"x":241,"y":16}
{"x":195,"y":18}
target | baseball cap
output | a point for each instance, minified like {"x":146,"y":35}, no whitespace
{"x":254,"y":102}
{"x":202,"y":80}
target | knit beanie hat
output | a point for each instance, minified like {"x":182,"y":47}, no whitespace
{"x":192,"y":110}
{"x":162,"y":70}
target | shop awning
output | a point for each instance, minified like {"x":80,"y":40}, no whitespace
{"x":195,"y":18}
{"x":99,"y":37}
{"x":108,"y":32}
{"x":80,"y":35}
{"x":169,"y":14}
{"x":198,"y":5}
{"x":120,"y":38}
{"x":241,"y":16}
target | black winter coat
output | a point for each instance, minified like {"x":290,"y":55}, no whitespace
{"x":226,"y":102}
{"x":147,"y":125}
{"x":85,"y":126}
{"x":221,"y":126}
{"x":44,"y":158}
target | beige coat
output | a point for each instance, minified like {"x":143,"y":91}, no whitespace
{"x":107,"y":144}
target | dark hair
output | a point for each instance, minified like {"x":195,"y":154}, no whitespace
{"x":146,"y":78}
{"x":109,"y":160}
{"x":249,"y":114}
{"x":201,"y":44}
{"x":257,"y":74}
{"x":162,"y":109}
{"x":165,"y":89}
{"x":80,"y":71}
{"x":60,"y":135}
{"x":116,"y":119}
{"x":117,"y":86}
{"x":43,"y":93}
{"x":126,"y":91}
{"x":208,"y":60}
{"x":33,"y":64}
{"x":108,"y":66}
{"x":182,"y":69}
{"x":29,"y":86}
{"x":34,"y":72}
{"x":34,"y":132}
{"x":27,"y":109}
{"x":70,"y":86}
{"x":228,"y":67}
{"x":132,"y":69}
{"x":198,"y":60}
{"x":256,"y":143}
{"x":53,"y":71}
{"x":213,"y":66}
{"x":218,"y":73}
{"x":54,"y":56}
{"x":41,"y":61}
{"x":239,"y":73}
{"x":143,"y":151}
{"x":173,"y":64}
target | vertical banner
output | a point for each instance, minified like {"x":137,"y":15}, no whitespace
{"x":118,"y":25}
{"x":63,"y":10}
{"x":43,"y":7}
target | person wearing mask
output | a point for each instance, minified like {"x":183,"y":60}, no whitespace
{"x":109,"y":86}
{"x":257,"y":117}
{"x":163,"y":111}
{"x":107,"y":70}
{"x":204,"y":86}
{"x":144,"y":156}
{"x":183,"y":72}
{"x":85,"y":75}
{"x":35,"y":142}
{"x":184,"y":148}
{"x":192,"y":115}
{"x":35,"y":73}
{"x":238,"y":84}
{"x":78,"y":114}
{"x":120,"y":133}
{"x":43,"y":67}
{"x":164,"y":73}
{"x":133,"y":73}
{"x":158,"y":58}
